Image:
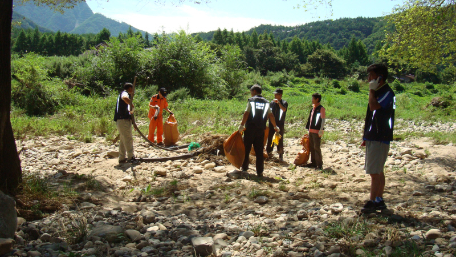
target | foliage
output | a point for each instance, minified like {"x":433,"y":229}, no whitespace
{"x":29,"y":94}
{"x":424,"y":34}
{"x":326,"y":63}
{"x":353,"y":86}
{"x":180,"y":61}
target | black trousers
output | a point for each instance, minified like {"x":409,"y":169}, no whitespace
{"x":315,"y":150}
{"x":270,"y":148}
{"x":254,"y":137}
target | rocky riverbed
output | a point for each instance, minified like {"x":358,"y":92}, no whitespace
{"x":203,"y":206}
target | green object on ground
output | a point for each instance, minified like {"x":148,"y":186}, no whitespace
{"x":193,"y":145}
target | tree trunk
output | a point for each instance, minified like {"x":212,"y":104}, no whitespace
{"x":10,"y":166}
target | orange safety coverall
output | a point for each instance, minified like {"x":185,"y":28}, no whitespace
{"x":156,"y":123}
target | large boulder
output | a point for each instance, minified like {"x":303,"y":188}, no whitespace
{"x":8,"y":216}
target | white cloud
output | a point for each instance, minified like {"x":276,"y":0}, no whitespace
{"x":189,"y":19}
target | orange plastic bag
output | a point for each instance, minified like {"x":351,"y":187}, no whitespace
{"x":234,"y":149}
{"x":303,"y":155}
{"x":265,"y":154}
{"x":170,"y":131}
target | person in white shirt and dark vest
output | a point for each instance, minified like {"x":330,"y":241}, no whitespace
{"x":378,"y":133}
{"x":316,"y":125}
{"x":279,"y":110}
{"x":254,"y":124}
{"x":122,"y":117}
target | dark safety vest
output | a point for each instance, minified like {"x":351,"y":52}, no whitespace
{"x":258,"y":114}
{"x":379,"y":124}
{"x":279,"y":115}
{"x":316,"y":119}
{"x":121,"y":111}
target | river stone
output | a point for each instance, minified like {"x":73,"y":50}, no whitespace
{"x":247,"y":234}
{"x":204,"y":246}
{"x":148,"y":216}
{"x":6,"y":245}
{"x":197,"y":170}
{"x":112,"y":154}
{"x":160,"y":171}
{"x":220,"y":169}
{"x":261,"y":199}
{"x":133,"y":235}
{"x":8,"y":216}
{"x":433,"y":234}
{"x":109,"y":232}
{"x":209,"y":166}
{"x":336,"y":208}
{"x":234,"y":174}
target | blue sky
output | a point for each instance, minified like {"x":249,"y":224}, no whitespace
{"x":239,"y":15}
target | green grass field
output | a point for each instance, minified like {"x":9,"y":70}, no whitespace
{"x":85,"y":116}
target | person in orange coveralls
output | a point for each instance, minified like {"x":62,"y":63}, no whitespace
{"x":157,"y":104}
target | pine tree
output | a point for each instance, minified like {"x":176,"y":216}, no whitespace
{"x":146,"y":40}
{"x":35,"y":47}
{"x":218,"y":37}
{"x":254,"y":40}
{"x":21,"y":43}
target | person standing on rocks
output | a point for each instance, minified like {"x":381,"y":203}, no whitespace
{"x":254,"y":124}
{"x":122,"y":117}
{"x":316,"y":125}
{"x":279,"y":110}
{"x":157,"y":104}
{"x":378,"y":133}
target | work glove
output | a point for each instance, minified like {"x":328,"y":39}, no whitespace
{"x":241,"y":128}
{"x":320,"y":133}
{"x":373,"y":84}
{"x":277,"y":129}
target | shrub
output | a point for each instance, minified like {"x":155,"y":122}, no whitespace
{"x":278,"y":79}
{"x":343,"y":91}
{"x":354,"y":86}
{"x":336,"y":84}
{"x":398,"y":87}
{"x":179,"y":94}
{"x":429,"y":85}
{"x":252,"y":78}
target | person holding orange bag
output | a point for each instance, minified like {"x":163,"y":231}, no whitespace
{"x":157,"y":104}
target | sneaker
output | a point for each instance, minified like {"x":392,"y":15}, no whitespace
{"x":380,"y":205}
{"x":281,"y":157}
{"x":311,"y":165}
{"x":161,"y":144}
{"x":369,"y":207}
{"x":123,"y":161}
{"x":319,"y":167}
{"x":133,"y":160}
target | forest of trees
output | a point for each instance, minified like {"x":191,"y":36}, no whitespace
{"x":62,"y":43}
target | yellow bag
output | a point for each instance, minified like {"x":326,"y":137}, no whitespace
{"x":170,"y":131}
{"x":303,"y":155}
{"x":234,"y":149}
{"x":276,"y":139}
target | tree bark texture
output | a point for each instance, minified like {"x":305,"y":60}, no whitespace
{"x":10,"y":166}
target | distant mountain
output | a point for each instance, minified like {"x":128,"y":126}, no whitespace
{"x":98,"y":21}
{"x":48,"y":18}
{"x":21,"y":22}
{"x":79,"y":20}
{"x":337,"y":33}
